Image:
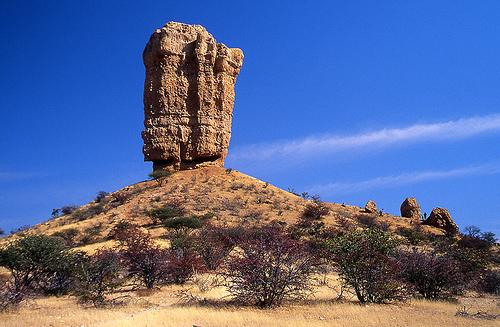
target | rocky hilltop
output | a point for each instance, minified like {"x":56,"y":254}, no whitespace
{"x":188,"y":97}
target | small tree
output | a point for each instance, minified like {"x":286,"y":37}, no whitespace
{"x":364,"y":262}
{"x":40,"y":263}
{"x":145,"y":261}
{"x":214,"y":244}
{"x":269,"y":268}
{"x":2,"y":232}
{"x":433,"y":276}
{"x":99,"y":275}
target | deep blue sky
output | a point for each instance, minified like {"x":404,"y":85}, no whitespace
{"x":335,"y":73}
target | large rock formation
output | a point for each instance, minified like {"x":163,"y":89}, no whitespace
{"x":441,"y":218}
{"x":188,"y":97}
{"x":411,"y":209}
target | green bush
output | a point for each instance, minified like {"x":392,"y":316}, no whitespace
{"x":40,"y":263}
{"x":169,"y":211}
{"x":364,"y":261}
{"x":189,"y":222}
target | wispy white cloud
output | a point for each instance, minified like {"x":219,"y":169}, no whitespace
{"x":401,"y":180}
{"x":314,"y":145}
{"x":9,"y":176}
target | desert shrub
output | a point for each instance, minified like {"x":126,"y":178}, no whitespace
{"x":269,"y":268}
{"x":121,"y":227}
{"x":414,"y":235}
{"x":253,"y":215}
{"x":315,"y":210}
{"x":68,"y":236}
{"x":171,"y":210}
{"x":345,"y":224}
{"x":91,"y":234}
{"x":160,"y":176}
{"x":367,"y":220}
{"x":491,"y":282}
{"x":98,"y":276}
{"x":69,"y":209}
{"x":182,"y":264}
{"x":101,"y":196}
{"x":383,"y":226}
{"x":40,"y":263}
{"x":364,"y":262}
{"x":56,"y":213}
{"x":180,"y":230}
{"x":88,"y":211}
{"x":2,"y":232}
{"x":236,"y":186}
{"x":9,"y":297}
{"x":213,"y":244}
{"x":474,"y":238}
{"x":432,"y":275}
{"x":188,"y":222}
{"x":472,"y":242}
{"x":472,"y":262}
{"x":145,"y":261}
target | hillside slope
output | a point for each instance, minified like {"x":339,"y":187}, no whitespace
{"x":231,"y":197}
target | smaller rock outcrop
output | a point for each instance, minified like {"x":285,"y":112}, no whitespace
{"x":441,"y":218}
{"x":411,"y":209}
{"x":371,"y":207}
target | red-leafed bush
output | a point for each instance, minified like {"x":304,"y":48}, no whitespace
{"x":98,"y":276}
{"x":433,"y":276}
{"x":214,"y":244}
{"x":146,"y":262}
{"x":268,"y":267}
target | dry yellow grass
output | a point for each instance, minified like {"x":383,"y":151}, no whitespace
{"x":162,"y":308}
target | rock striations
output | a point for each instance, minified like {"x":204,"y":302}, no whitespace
{"x":188,"y":97}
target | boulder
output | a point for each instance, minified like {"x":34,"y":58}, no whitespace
{"x":371,"y":207}
{"x":188,"y":97}
{"x":411,"y":209}
{"x":441,"y":218}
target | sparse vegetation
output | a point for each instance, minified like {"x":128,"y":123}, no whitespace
{"x":269,"y":269}
{"x":100,"y":196}
{"x":39,"y":263}
{"x":145,"y":261}
{"x":414,"y":235}
{"x":432,"y":276}
{"x":169,"y":211}
{"x":68,"y":235}
{"x":365,"y":263}
{"x":98,"y":276}
{"x":160,"y":176}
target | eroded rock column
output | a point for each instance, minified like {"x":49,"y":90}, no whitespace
{"x":188,"y":97}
